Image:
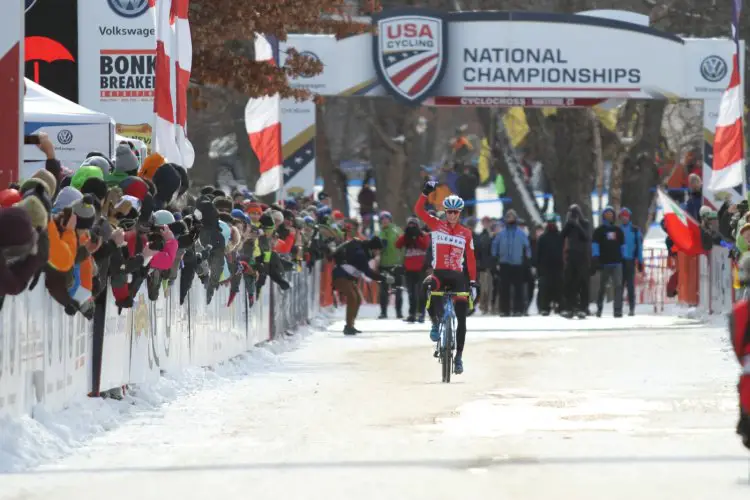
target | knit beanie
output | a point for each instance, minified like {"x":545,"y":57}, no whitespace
{"x":65,"y":198}
{"x":84,"y":173}
{"x":17,"y":229}
{"x":38,"y":191}
{"x":100,"y":162}
{"x":36,"y":211}
{"x":48,"y":179}
{"x":34,"y":184}
{"x":9,"y":197}
{"x":84,"y":210}
{"x":277,"y":217}
{"x":125,"y":160}
{"x":135,"y":187}
{"x":224,"y":204}
{"x":96,"y":187}
{"x":151,"y":165}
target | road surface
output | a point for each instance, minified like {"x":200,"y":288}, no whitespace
{"x":610,"y":409}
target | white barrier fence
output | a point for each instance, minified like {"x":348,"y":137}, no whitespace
{"x":716,"y":291}
{"x":49,"y":358}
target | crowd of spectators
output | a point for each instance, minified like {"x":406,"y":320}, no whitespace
{"x":118,"y":224}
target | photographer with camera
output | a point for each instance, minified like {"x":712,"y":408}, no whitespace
{"x":414,"y":242}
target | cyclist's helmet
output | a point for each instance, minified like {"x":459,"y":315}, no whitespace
{"x":453,"y":202}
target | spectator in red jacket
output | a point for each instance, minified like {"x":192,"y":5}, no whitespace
{"x":415,"y":241}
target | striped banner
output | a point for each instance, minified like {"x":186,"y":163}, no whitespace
{"x":174,"y":53}
{"x":729,"y":147}
{"x":263,"y":125}
{"x":11,"y":91}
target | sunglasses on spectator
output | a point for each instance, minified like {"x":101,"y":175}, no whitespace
{"x":452,"y":212}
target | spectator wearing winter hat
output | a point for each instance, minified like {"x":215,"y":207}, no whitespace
{"x":19,"y":258}
{"x":167,"y":181}
{"x":36,"y":210}
{"x":391,"y":263}
{"x":125,"y":165}
{"x":49,"y":181}
{"x":151,"y":164}
{"x":95,"y":187}
{"x":100,"y":162}
{"x":83,"y":173}
{"x":414,"y":243}
{"x":9,"y":197}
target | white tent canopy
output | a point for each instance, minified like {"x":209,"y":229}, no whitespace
{"x":74,"y":130}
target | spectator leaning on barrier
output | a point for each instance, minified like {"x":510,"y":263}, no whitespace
{"x":632,"y":256}
{"x":352,"y":260}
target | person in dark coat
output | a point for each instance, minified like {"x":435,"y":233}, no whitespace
{"x":549,"y":266}
{"x":607,"y":250}
{"x":466,"y":185}
{"x":576,"y":235}
{"x":485,"y":264}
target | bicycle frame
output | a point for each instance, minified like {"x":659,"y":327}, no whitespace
{"x":448,"y":309}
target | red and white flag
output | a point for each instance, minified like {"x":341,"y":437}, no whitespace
{"x":263,"y":125}
{"x":682,"y":229}
{"x":11,"y":91}
{"x":173,"y":63}
{"x":728,"y":169}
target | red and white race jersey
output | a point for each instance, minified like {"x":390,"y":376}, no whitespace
{"x":450,"y":244}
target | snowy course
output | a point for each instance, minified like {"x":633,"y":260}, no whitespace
{"x":639,"y":407}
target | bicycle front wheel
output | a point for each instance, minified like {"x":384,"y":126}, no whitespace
{"x":447,"y":354}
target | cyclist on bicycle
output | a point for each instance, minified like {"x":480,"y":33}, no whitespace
{"x":451,"y":244}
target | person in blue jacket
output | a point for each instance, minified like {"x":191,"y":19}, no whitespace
{"x":512,"y":252}
{"x":632,"y":255}
{"x":607,"y":249}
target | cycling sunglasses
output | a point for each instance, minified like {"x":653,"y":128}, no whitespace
{"x":452,"y":212}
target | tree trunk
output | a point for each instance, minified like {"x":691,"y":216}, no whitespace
{"x":564,"y":143}
{"x":640,"y":173}
{"x":392,"y":146}
{"x":334,"y":182}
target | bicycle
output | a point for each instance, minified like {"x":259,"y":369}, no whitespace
{"x":447,"y":345}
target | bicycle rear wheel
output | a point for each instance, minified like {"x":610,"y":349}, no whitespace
{"x":447,"y":354}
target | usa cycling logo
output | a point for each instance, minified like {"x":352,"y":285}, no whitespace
{"x":410,"y":52}
{"x":714,"y":68}
{"x":65,"y":137}
{"x":29,"y":4}
{"x":128,"y":8}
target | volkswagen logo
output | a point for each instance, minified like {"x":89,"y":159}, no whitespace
{"x":314,"y":57}
{"x":714,"y":68}
{"x":29,"y":4}
{"x":128,"y":8}
{"x":65,"y":137}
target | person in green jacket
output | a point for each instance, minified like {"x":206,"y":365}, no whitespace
{"x":391,"y":262}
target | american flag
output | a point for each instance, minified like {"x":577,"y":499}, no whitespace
{"x":728,"y":168}
{"x":411,"y":70}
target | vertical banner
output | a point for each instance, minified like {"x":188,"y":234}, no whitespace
{"x":11,"y":90}
{"x":116,"y":63}
{"x":711,"y":105}
{"x":51,"y":46}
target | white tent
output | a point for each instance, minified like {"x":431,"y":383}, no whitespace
{"x":74,"y":130}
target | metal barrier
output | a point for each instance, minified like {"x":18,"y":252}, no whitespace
{"x":49,"y":358}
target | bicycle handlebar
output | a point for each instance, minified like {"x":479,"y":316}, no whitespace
{"x":430,"y":293}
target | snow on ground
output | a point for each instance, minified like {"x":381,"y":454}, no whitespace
{"x":26,"y":442}
{"x":640,"y":407}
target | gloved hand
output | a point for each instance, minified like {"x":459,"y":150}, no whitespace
{"x":639,"y":264}
{"x":429,"y":187}
{"x":475,"y":290}
{"x":389,"y":280}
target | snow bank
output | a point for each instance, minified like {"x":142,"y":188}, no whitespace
{"x":26,"y":442}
